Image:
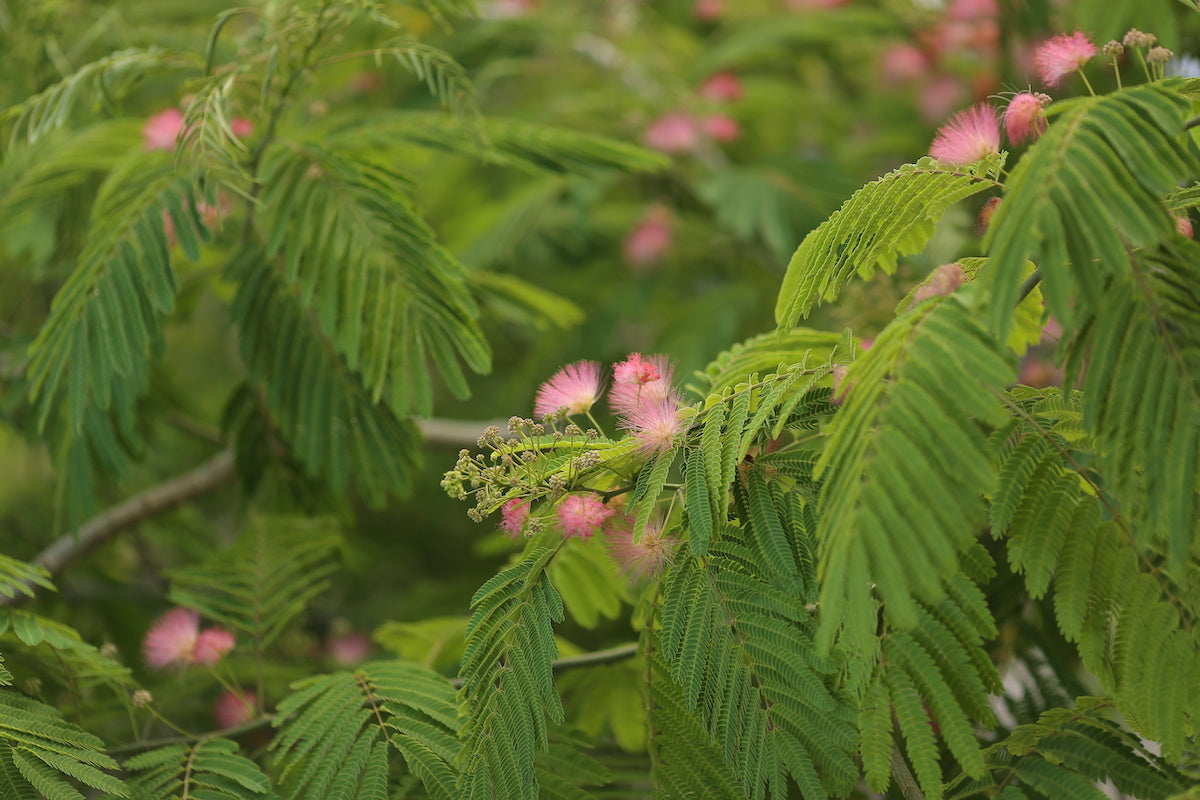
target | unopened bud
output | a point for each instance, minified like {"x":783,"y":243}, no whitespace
{"x":1136,"y":38}
{"x":142,"y":698}
{"x":985,"y":215}
{"x":1113,"y":48}
{"x":944,"y":280}
{"x":840,"y":386}
{"x":1184,"y":226}
{"x":109,"y":650}
{"x":1158,"y":56}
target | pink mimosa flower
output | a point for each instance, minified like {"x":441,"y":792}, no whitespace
{"x":708,"y":10}
{"x":972,"y":9}
{"x":723,"y":87}
{"x":241,"y":127}
{"x":903,"y":63}
{"x":575,"y":387}
{"x":162,"y":130}
{"x":646,"y":559}
{"x":721,"y":127}
{"x":513,"y":515}
{"x":634,"y":386}
{"x":651,"y":239}
{"x":582,"y":515}
{"x":234,"y":708}
{"x":656,"y":424}
{"x":1184,"y":226}
{"x":969,"y":136}
{"x":348,"y":647}
{"x":1062,"y":55}
{"x":673,"y":133}
{"x":1023,"y":119}
{"x":172,"y":638}
{"x":211,"y":645}
{"x":940,"y":96}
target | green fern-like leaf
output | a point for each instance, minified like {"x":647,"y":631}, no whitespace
{"x":41,"y":754}
{"x":889,"y":217}
{"x":906,"y":460}
{"x":209,"y":769}
{"x":265,"y":579}
{"x":333,"y":425}
{"x":19,"y":577}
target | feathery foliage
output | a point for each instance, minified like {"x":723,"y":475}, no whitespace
{"x":211,"y":769}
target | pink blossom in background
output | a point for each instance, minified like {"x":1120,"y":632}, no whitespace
{"x":651,"y":239}
{"x":672,"y":133}
{"x":506,"y":9}
{"x":1023,"y":119}
{"x":722,"y":87}
{"x":162,"y":130}
{"x":656,"y":424}
{"x":945,"y":280}
{"x":513,"y":515}
{"x":967,"y":10}
{"x":234,"y":708}
{"x":575,"y":387}
{"x":940,"y":96}
{"x":865,"y":344}
{"x":211,"y":645}
{"x":903,"y":63}
{"x":645,"y":559}
{"x":172,"y":638}
{"x":241,"y":127}
{"x":1052,"y":330}
{"x":1184,"y":226}
{"x":841,"y":387}
{"x":630,"y":390}
{"x":1037,"y":371}
{"x":969,"y":136}
{"x":721,"y":127}
{"x":801,"y":5}
{"x":582,"y":515}
{"x":708,"y":10}
{"x":1062,"y":55}
{"x":348,"y":647}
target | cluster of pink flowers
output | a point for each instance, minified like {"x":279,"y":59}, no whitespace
{"x":646,"y":558}
{"x":974,"y":134}
{"x":175,"y":639}
{"x":162,"y":131}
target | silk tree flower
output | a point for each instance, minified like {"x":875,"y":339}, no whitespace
{"x":1062,"y":55}
{"x":575,"y":387}
{"x":721,"y":127}
{"x":1024,"y":117}
{"x":968,"y":137}
{"x":655,"y":424}
{"x":171,"y":640}
{"x":651,"y":239}
{"x":513,"y":515}
{"x":162,"y":130}
{"x":673,"y":133}
{"x":234,"y":708}
{"x":722,"y":87}
{"x":211,"y":645}
{"x":582,"y":515}
{"x":903,"y":63}
{"x":647,"y":558}
{"x":638,"y":381}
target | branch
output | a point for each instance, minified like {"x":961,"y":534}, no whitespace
{"x":456,"y":432}
{"x":213,"y":473}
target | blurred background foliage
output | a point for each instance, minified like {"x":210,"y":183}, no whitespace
{"x":765,"y":115}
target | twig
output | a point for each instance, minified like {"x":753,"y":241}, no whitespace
{"x":213,"y":473}
{"x":1029,"y":285}
{"x":609,"y":656}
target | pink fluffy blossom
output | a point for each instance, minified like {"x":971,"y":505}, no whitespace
{"x":647,"y":558}
{"x":903,"y":63}
{"x":972,"y":9}
{"x":1023,"y":119}
{"x":1184,"y":226}
{"x":651,"y":239}
{"x":656,"y":424}
{"x":513,"y":515}
{"x":723,"y":87}
{"x":241,"y":127}
{"x":211,"y":645}
{"x":638,"y":381}
{"x":234,"y":708}
{"x":162,"y":130}
{"x":969,"y":136}
{"x":171,"y":640}
{"x":1062,"y":55}
{"x":708,"y":10}
{"x":673,"y":133}
{"x":582,"y":515}
{"x":575,"y":387}
{"x":348,"y":647}
{"x":721,"y":127}
{"x":940,"y":96}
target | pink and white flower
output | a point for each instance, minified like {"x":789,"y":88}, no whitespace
{"x":162,"y":130}
{"x":582,"y":515}
{"x":721,"y":127}
{"x":651,"y":239}
{"x":968,"y":137}
{"x":673,"y":133}
{"x":1062,"y":55}
{"x":638,"y":381}
{"x":656,"y":424}
{"x":171,"y":640}
{"x":513,"y":515}
{"x":1024,"y":117}
{"x":575,"y":387}
{"x":234,"y":708}
{"x":722,"y":87}
{"x":647,"y":558}
{"x":211,"y":645}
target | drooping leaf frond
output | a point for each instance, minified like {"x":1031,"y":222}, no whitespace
{"x":265,"y":579}
{"x":43,"y":756}
{"x":1087,"y":192}
{"x":887,"y":218}
{"x":338,"y":734}
{"x":59,"y":658}
{"x":20,"y":577}
{"x":208,"y":769}
{"x":763,"y":354}
{"x":906,"y":460}
{"x":358,"y":257}
{"x":323,"y":410}
{"x":508,"y":689}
